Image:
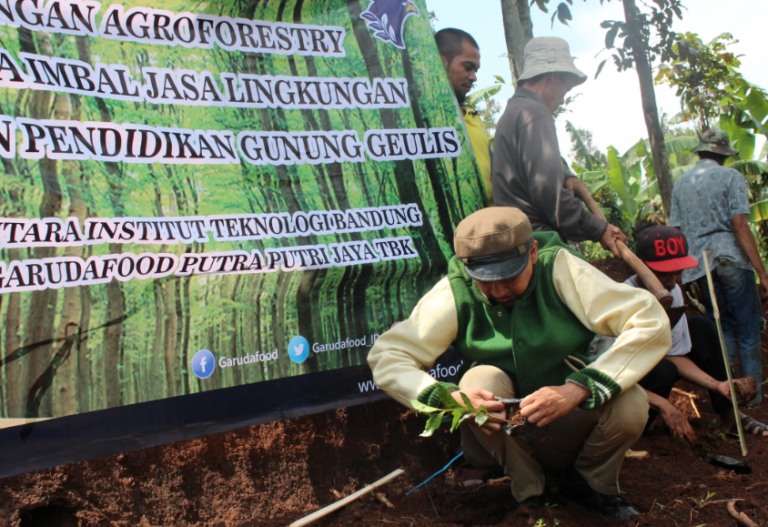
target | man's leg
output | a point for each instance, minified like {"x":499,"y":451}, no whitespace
{"x":499,"y":449}
{"x":620,"y":424}
{"x":742,"y":303}
{"x":727,"y":321}
{"x":592,"y":461}
{"x":707,"y":355}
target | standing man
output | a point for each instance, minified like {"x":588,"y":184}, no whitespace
{"x":710,"y":205}
{"x":461,"y":57}
{"x":522,"y":308}
{"x":527,"y":167}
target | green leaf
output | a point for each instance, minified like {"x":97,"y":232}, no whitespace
{"x":480,"y":419}
{"x":756,"y":104}
{"x":741,"y":139}
{"x":433,"y":423}
{"x":758,"y":211}
{"x":619,"y":181}
{"x":635,"y":153}
{"x":582,"y":152}
{"x":458,"y":417}
{"x":750,"y":168}
{"x":594,"y":188}
{"x":681,"y":143}
{"x":562,"y":13}
{"x":423,"y":408}
{"x":483,"y":93}
{"x":577,"y":169}
{"x":446,"y":398}
{"x":593,"y":175}
{"x":467,"y":403}
{"x":763,"y":151}
{"x":600,"y":68}
{"x":610,"y":38}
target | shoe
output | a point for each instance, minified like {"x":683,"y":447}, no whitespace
{"x":751,"y":427}
{"x":534,"y":503}
{"x":574,"y":488}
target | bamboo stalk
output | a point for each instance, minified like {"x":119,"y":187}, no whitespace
{"x":713,"y":298}
{"x":349,"y":499}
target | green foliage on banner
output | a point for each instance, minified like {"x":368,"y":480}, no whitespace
{"x":127,"y":342}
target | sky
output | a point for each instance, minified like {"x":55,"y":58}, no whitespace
{"x":609,"y":107}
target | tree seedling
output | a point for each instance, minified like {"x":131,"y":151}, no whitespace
{"x":704,"y":501}
{"x":459,"y":412}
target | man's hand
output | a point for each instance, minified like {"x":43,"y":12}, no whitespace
{"x":552,"y":402}
{"x":608,"y":240}
{"x":724,"y":389}
{"x":479,"y":397}
{"x":762,"y":288}
{"x":677,"y":423}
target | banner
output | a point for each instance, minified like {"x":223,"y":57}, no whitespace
{"x":201,"y":197}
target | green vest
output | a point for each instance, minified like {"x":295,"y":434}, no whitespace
{"x":532,"y":339}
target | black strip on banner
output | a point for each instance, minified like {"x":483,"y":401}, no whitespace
{"x":54,"y":442}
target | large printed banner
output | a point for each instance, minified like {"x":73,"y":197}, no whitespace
{"x":203,"y":196}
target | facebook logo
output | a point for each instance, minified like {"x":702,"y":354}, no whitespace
{"x":203,"y":364}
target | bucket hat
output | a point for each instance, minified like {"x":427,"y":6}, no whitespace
{"x":493,"y":243}
{"x":549,"y":55}
{"x":717,"y":141}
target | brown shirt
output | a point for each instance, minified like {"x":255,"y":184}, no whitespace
{"x":527,"y":171}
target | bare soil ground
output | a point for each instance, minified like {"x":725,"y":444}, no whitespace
{"x":273,"y":474}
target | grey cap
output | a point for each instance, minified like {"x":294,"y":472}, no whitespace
{"x":494,"y":243}
{"x":549,"y":55}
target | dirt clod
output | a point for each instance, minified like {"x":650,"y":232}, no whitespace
{"x":746,"y":389}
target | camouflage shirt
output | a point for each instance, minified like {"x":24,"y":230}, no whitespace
{"x":703,"y":202}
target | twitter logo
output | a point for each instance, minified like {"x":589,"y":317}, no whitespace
{"x":298,"y":349}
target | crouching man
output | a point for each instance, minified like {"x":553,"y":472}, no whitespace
{"x":695,"y":354}
{"x":522,"y":308}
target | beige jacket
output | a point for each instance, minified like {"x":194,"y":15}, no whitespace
{"x":401,"y":357}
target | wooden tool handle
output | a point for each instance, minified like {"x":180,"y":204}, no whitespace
{"x":638,"y":266}
{"x":646,"y":275}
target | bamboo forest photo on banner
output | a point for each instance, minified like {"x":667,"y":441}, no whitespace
{"x":199,"y":197}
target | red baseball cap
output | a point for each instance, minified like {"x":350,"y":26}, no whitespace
{"x":664,"y":249}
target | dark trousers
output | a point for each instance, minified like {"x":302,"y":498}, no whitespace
{"x":705,"y":353}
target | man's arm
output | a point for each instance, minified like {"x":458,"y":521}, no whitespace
{"x":674,"y":419}
{"x":542,"y":163}
{"x":693,"y":374}
{"x":400,"y":356}
{"x":747,"y":242}
{"x":612,"y":234}
{"x":608,"y":308}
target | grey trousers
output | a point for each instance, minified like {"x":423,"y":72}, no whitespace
{"x":593,"y":442}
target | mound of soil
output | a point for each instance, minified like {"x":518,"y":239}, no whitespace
{"x":274,"y":474}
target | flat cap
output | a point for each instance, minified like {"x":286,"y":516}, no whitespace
{"x":493,"y":243}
